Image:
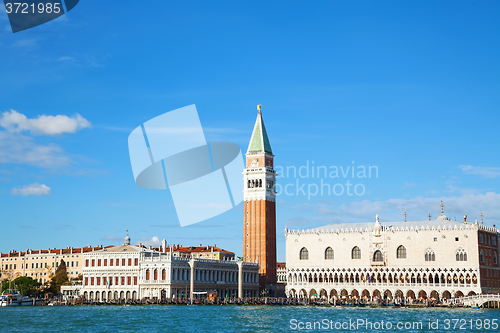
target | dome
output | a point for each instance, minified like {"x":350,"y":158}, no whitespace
{"x":442,"y":217}
{"x":127,"y":240}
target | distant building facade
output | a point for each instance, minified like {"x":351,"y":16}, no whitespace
{"x":281,"y":272}
{"x":428,"y":259}
{"x":136,"y":272}
{"x":40,"y":264}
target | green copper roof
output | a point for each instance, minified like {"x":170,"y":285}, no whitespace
{"x":259,"y":135}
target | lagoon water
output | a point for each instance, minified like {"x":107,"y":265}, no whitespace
{"x":230,"y":318}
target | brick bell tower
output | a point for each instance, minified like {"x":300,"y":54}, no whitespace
{"x":259,"y":220}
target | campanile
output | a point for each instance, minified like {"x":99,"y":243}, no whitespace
{"x":259,"y":221}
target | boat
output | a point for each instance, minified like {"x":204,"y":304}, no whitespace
{"x":16,"y":299}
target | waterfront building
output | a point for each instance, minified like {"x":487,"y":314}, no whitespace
{"x":136,"y":272}
{"x":281,"y":272}
{"x":40,"y":264}
{"x":436,"y":259}
{"x":259,"y":209}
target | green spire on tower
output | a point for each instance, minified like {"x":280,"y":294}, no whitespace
{"x":259,"y":141}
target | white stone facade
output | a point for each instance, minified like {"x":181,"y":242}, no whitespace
{"x":131,"y":272}
{"x":429,"y":259}
{"x":162,"y":275}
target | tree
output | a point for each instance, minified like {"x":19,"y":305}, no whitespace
{"x":27,"y":285}
{"x":6,"y":285}
{"x":23,"y":284}
{"x":59,"y":278}
{"x":78,"y":278}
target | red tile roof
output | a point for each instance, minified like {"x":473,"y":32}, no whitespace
{"x":56,"y":251}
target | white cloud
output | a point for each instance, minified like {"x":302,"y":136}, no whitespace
{"x":21,"y":149}
{"x":469,"y":203}
{"x":113,"y":238}
{"x":153,"y":241}
{"x":32,"y":189}
{"x":486,"y":172}
{"x":67,"y":58}
{"x":16,"y":122}
{"x":26,"y":43}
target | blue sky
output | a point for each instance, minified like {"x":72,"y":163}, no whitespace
{"x":411,"y":88}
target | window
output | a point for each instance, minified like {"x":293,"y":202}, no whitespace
{"x":494,"y":241}
{"x":123,"y":262}
{"x":329,"y":253}
{"x":480,"y":238}
{"x":304,"y":254}
{"x":378,"y":256}
{"x":495,"y":259}
{"x":456,"y":239}
{"x":356,"y":253}
{"x":136,"y":263}
{"x":130,"y":262}
{"x":481,"y":256}
{"x":430,"y":255}
{"x":93,"y":262}
{"x":117,"y":262}
{"x":110,"y":262}
{"x":98,"y":262}
{"x":401,"y":252}
{"x":105,"y":262}
{"x":461,"y":255}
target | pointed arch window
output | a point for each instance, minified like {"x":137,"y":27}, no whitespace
{"x":430,"y":255}
{"x":304,"y":254}
{"x":329,"y":253}
{"x":495,"y":258}
{"x":356,"y":253}
{"x":401,"y":252}
{"x":481,"y":256}
{"x":461,"y":255}
{"x":378,"y":256}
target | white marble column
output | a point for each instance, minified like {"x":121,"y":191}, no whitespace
{"x":240,"y":279}
{"x":191,"y":287}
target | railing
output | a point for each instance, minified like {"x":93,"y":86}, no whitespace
{"x":480,"y":296}
{"x":169,"y":257}
{"x":391,"y":284}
